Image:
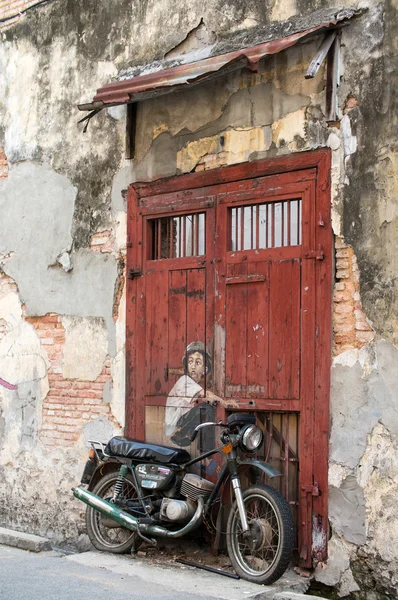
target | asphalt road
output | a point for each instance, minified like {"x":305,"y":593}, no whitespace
{"x":50,"y":576}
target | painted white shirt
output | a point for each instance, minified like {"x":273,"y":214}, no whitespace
{"x":179,"y":402}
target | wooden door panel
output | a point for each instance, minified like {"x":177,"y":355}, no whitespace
{"x":246,"y":318}
{"x":157,"y":333}
{"x":196,"y":305}
{"x":176,"y":316}
{"x":235,"y":333}
{"x":258,"y":331}
{"x":177,"y":325}
{"x":284,"y":335}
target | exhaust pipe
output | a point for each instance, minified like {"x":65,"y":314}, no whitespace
{"x":130,"y":522}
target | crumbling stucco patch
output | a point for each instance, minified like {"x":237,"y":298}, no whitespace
{"x":118,"y":364}
{"x":362,"y":394}
{"x":35,"y":492}
{"x":85,"y":349}
{"x":378,"y":475}
{"x":230,"y":147}
{"x":64,"y":259}
{"x":286,"y":131}
{"x":40,"y":206}
{"x":99,"y":430}
{"x":283,"y":9}
{"x":188,"y":157}
{"x":337,"y":572}
{"x":118,"y":391}
{"x":238,"y":145}
{"x":349,"y":140}
{"x":347,"y":510}
{"x":23,"y":362}
{"x":243,"y":101}
{"x":123,"y":178}
{"x":363,"y":468}
{"x":197,"y":39}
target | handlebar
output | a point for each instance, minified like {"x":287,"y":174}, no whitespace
{"x":202,"y":425}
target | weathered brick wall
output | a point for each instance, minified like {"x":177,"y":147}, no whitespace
{"x":350,"y":327}
{"x":70,"y":403}
{"x":11,"y":8}
{"x":212,"y":161}
{"x":102,"y":241}
{"x":3,"y":164}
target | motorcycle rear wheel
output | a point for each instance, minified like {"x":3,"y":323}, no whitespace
{"x":117,"y":540}
{"x":271,"y":525}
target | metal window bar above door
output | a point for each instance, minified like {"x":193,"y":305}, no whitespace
{"x":268,"y":225}
{"x":178,"y":237}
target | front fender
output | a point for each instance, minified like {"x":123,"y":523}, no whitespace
{"x":262,"y":466}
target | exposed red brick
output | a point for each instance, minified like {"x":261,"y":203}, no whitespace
{"x":102,"y":241}
{"x":212,"y":161}
{"x":350,"y":327}
{"x":350,"y":103}
{"x":70,"y":403}
{"x":3,"y":162}
{"x":9,"y":8}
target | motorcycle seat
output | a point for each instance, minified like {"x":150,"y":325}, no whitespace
{"x":122,"y":446}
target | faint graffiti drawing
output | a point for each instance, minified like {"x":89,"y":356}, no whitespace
{"x":9,"y":386}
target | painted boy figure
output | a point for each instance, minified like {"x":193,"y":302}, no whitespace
{"x":188,"y":403}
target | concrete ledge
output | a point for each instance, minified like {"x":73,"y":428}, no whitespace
{"x":294,"y":596}
{"x":24,"y":541}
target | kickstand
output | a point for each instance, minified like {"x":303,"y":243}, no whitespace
{"x":149,"y":541}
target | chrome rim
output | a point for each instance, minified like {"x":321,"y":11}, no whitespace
{"x":257,"y":558}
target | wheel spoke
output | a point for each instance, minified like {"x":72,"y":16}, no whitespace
{"x":113,"y":536}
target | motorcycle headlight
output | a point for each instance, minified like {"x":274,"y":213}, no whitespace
{"x":252,"y":438}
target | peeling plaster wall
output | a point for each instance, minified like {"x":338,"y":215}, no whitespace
{"x":63,"y":240}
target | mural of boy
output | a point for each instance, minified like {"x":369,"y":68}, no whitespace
{"x":190,"y":402}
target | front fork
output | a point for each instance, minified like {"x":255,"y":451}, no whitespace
{"x":233,"y":471}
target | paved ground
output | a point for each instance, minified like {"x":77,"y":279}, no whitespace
{"x":48,"y":575}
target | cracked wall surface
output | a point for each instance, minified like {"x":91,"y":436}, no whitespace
{"x":63,"y":239}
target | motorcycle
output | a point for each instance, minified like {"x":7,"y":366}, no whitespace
{"x":137,"y":490}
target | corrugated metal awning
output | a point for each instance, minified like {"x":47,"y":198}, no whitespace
{"x":159,"y":78}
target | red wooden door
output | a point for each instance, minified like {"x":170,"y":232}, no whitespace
{"x":171,"y":296}
{"x":265,"y":307}
{"x":232,"y":270}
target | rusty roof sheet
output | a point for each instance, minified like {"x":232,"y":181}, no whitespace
{"x":241,"y":50}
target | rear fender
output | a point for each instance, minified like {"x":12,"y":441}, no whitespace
{"x":101,"y":470}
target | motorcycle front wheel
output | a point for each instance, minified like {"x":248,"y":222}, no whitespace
{"x":264,"y":555}
{"x":106,"y":535}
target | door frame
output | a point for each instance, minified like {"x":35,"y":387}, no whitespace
{"x":143,"y":193}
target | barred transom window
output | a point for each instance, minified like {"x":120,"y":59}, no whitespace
{"x":178,"y":237}
{"x":269,"y":225}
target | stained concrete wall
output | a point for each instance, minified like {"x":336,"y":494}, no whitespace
{"x":62,"y":240}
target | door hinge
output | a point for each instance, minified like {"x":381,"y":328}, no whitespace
{"x":312,"y":489}
{"x":317,"y":254}
{"x":134,"y":273}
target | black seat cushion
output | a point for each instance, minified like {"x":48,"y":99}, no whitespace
{"x":121,"y":446}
